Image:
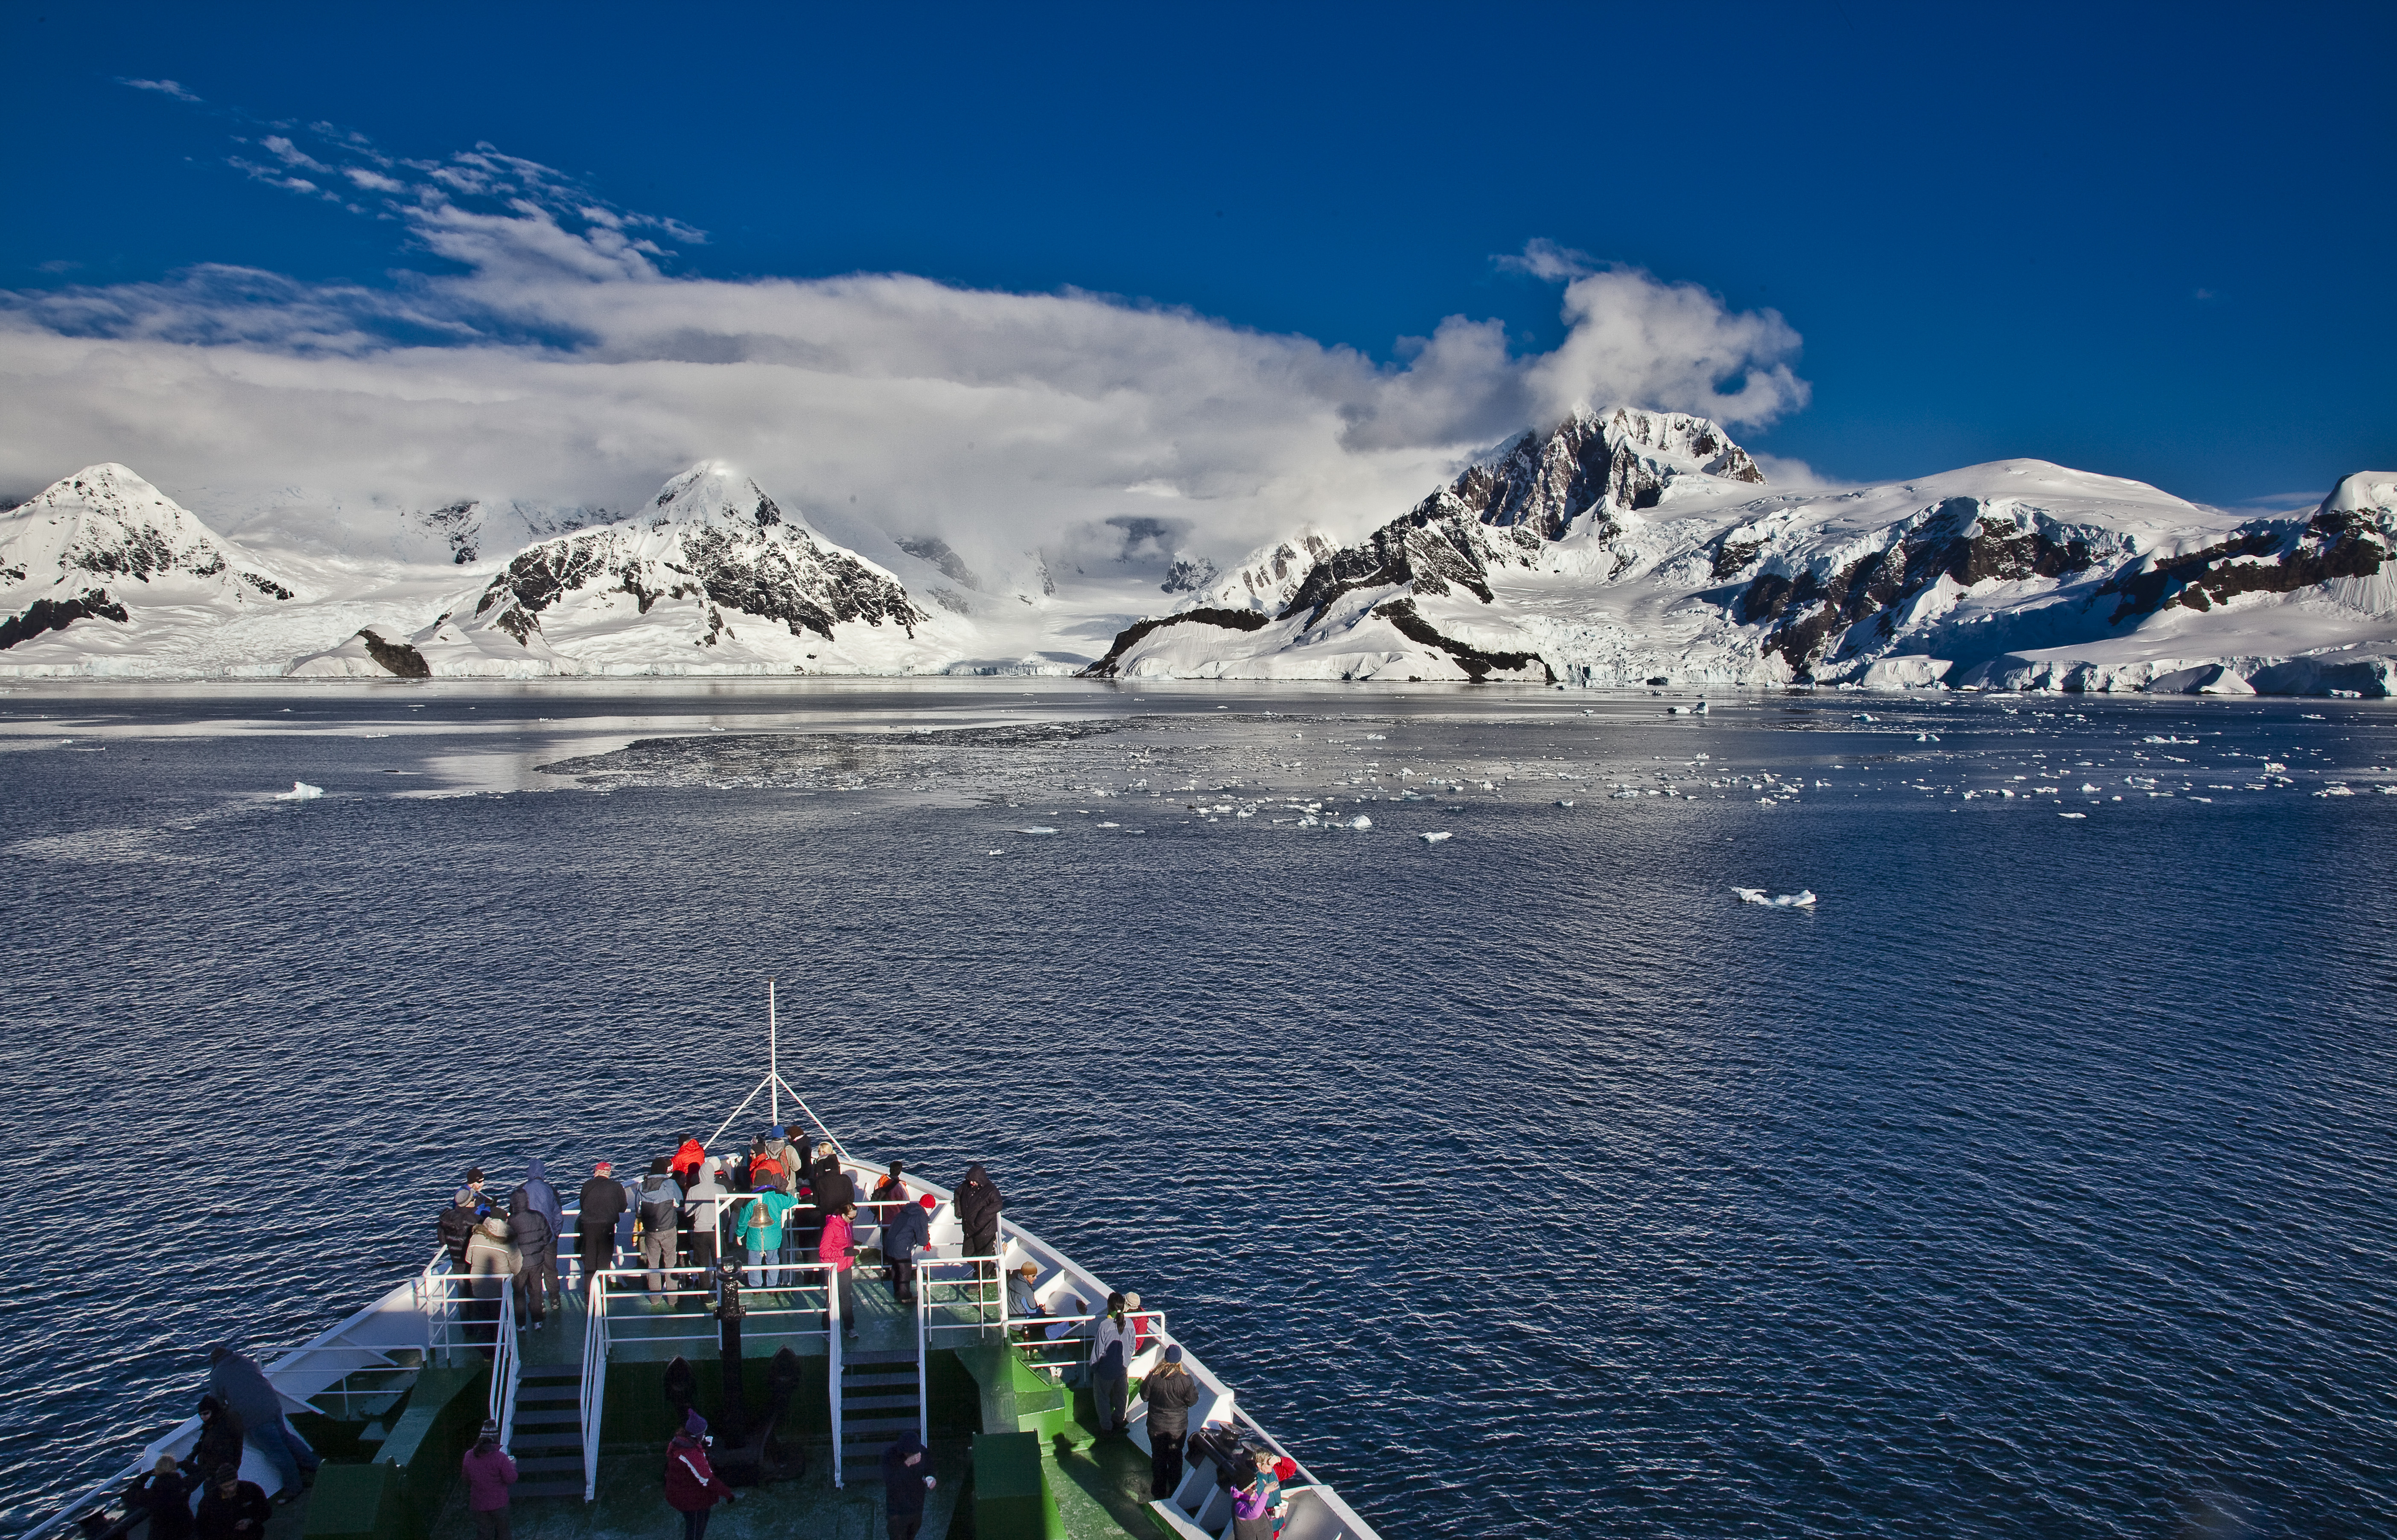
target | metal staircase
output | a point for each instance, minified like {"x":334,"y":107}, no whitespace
{"x":548,"y":1446}
{"x":878,"y":1402}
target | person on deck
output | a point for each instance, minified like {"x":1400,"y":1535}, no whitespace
{"x":237,"y":1383}
{"x":978,"y":1204}
{"x":906,"y":1476}
{"x":692,"y":1486}
{"x":661,"y":1220}
{"x":1110,"y":1368}
{"x":492,"y":1258}
{"x":1170,"y":1391}
{"x":702,"y":1210}
{"x":1253,"y":1505}
{"x":233,"y":1509}
{"x":536,"y":1243}
{"x":544,"y":1198}
{"x":905,"y":1230}
{"x":761,"y":1233}
{"x":1022,"y":1302}
{"x":891,"y":1189}
{"x":456,"y":1227}
{"x":776,"y":1148}
{"x":687,"y":1157}
{"x":490,"y":1472}
{"x":602,"y":1203}
{"x":836,"y":1250}
{"x":220,"y":1441}
{"x":1144,"y":1328}
{"x":831,"y":1185}
{"x":164,"y":1494}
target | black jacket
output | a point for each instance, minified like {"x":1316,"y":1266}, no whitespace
{"x":978,"y":1203}
{"x":603,"y":1203}
{"x":834,"y":1190}
{"x":902,"y":1486}
{"x":1170,"y":1398}
{"x":167,"y":1500}
{"x":221,"y":1515}
{"x":220,"y":1441}
{"x":457,"y":1227}
{"x":527,"y":1226}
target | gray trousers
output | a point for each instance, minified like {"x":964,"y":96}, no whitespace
{"x":661,"y":1249}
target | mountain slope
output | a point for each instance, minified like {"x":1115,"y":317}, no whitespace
{"x":713,"y":578}
{"x":1636,"y":547}
{"x":101,"y":568}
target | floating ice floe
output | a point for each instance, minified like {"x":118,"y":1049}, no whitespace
{"x":1110,"y":825}
{"x":2073,"y":815}
{"x":1359,"y":822}
{"x":300,"y":792}
{"x":1802,"y":899}
{"x":1036,"y":829}
{"x":1435,"y":836}
{"x":1564,"y":804}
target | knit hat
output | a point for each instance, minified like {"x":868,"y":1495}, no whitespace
{"x":775,"y":1132}
{"x":228,"y":1473}
{"x":1173,"y":1353}
{"x":1131,"y":1302}
{"x":474,"y":1175}
{"x":929,"y":1202}
{"x":1284,"y":1468}
{"x":694,"y":1424}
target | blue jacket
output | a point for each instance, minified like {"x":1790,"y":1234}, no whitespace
{"x":905,"y":1232}
{"x":543,"y":1197}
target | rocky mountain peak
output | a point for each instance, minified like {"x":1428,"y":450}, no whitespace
{"x":1604,"y":464}
{"x":714,"y":493}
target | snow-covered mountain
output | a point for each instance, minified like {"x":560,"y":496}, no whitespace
{"x":1639,"y":547}
{"x":713,"y":578}
{"x":107,"y":553}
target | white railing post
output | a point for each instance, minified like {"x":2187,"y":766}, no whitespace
{"x":923,"y":1411}
{"x":594,"y":1380}
{"x":832,"y":1344}
{"x":507,"y":1364}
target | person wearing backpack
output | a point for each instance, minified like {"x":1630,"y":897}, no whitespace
{"x":660,"y":1225}
{"x":602,"y":1203}
{"x":536,"y":1244}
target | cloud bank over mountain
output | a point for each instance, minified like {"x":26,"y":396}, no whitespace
{"x":542,"y":348}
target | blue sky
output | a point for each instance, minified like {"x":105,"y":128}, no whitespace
{"x":2154,"y":243}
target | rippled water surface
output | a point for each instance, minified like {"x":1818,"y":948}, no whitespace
{"x":2035,"y":1183}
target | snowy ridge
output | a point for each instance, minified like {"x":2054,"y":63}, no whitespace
{"x":106,"y":553}
{"x":715,"y":577}
{"x":1634,"y":548}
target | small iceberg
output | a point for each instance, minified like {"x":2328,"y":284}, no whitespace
{"x":300,"y":792}
{"x":1359,"y":822}
{"x":2073,"y":815}
{"x":1036,"y":829}
{"x":1802,"y":899}
{"x":1435,"y":836}
{"x":1563,"y":804}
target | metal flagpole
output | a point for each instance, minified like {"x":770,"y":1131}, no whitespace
{"x":773,"y":1059}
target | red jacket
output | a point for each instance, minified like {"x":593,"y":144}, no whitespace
{"x":833,"y":1247}
{"x":689,"y":1159}
{"x":691,"y":1483}
{"x":489,"y":1473}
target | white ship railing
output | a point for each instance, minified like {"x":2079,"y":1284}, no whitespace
{"x":507,"y":1363}
{"x":595,"y":1387}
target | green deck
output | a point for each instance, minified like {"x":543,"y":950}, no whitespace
{"x":1067,"y":1483}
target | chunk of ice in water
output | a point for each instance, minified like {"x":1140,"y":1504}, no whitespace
{"x":1435,"y":836}
{"x":1036,"y":828}
{"x":300,"y":792}
{"x":1802,"y":899}
{"x":1359,"y":822}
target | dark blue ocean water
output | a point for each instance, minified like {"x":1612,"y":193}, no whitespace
{"x":2037,"y":1183}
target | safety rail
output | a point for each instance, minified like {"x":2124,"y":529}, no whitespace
{"x":1046,"y":1326}
{"x":595,"y":1389}
{"x":507,"y":1363}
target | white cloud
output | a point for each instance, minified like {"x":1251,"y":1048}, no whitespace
{"x":164,"y":88}
{"x":566,"y":365}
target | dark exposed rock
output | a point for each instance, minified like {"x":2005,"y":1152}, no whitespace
{"x":265,"y":585}
{"x":396,"y":658}
{"x":1188,"y":575}
{"x":1803,"y":613}
{"x":1476,"y":661}
{"x":58,"y":614}
{"x":1130,"y":637}
{"x":939,"y":552}
{"x":2273,"y":557}
{"x":1427,"y":552}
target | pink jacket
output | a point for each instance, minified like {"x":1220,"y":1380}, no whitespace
{"x":489,"y":1473}
{"x":834,"y":1248}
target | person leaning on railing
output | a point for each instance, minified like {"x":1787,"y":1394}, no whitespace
{"x":702,"y":1208}
{"x":603,"y":1203}
{"x":1110,"y":1368}
{"x":905,"y":1230}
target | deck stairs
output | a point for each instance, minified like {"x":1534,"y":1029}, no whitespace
{"x":548,"y":1443}
{"x":878,"y":1402}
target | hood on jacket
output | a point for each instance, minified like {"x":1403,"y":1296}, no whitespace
{"x":975,"y":1174}
{"x":536,"y":1172}
{"x":897,"y":1454}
